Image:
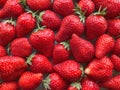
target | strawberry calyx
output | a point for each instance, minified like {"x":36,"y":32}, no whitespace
{"x":82,"y":75}
{"x":34,"y":14}
{"x":46,"y":82}
{"x":10,"y":21}
{"x":39,"y":27}
{"x":101,"y":11}
{"x":76,"y":85}
{"x":29,"y":59}
{"x":23,"y":3}
{"x":40,"y":16}
{"x":66,"y":45}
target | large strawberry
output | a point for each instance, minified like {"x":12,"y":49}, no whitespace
{"x":11,"y":67}
{"x":2,"y":2}
{"x":100,"y":69}
{"x":55,"y":82}
{"x":3,"y":52}
{"x":116,"y":49}
{"x":69,"y":70}
{"x":25,"y":24}
{"x":70,"y":24}
{"x":104,"y":45}
{"x":12,"y":8}
{"x":20,"y":47}
{"x":30,"y":81}
{"x":82,"y":50}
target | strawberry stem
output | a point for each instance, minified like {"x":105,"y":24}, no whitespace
{"x":10,"y":21}
{"x":46,"y":82}
{"x":66,"y":45}
{"x":29,"y":59}
{"x":101,"y":11}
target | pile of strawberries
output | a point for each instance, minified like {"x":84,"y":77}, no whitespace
{"x":59,"y":44}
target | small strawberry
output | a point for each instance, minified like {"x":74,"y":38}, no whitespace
{"x":61,"y":52}
{"x":12,"y":8}
{"x":55,"y":82}
{"x":29,"y":80}
{"x":25,"y":24}
{"x":69,"y":70}
{"x":82,"y":50}
{"x":9,"y":86}
{"x":11,"y":67}
{"x":104,"y":45}
{"x":20,"y":47}
{"x":70,"y":24}
{"x":74,"y":86}
{"x":63,"y":7}
{"x":3,"y":52}
{"x":116,"y":49}
{"x":2,"y":2}
{"x":50,"y":19}
{"x":100,"y":69}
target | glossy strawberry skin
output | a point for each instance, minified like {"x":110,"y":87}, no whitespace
{"x":30,"y":80}
{"x":96,"y":25}
{"x":69,"y":70}
{"x":7,"y":33}
{"x":2,"y":2}
{"x":25,"y":24}
{"x":70,"y":24}
{"x":116,"y":49}
{"x":82,"y":50}
{"x":3,"y":51}
{"x":43,"y":41}
{"x":21,"y":47}
{"x":104,"y":45}
{"x":40,"y":64}
{"x":11,"y":67}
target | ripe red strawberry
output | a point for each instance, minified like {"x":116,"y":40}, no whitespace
{"x":25,"y":24}
{"x":3,"y":52}
{"x":82,"y":50}
{"x":11,"y":67}
{"x":70,"y":24}
{"x":50,"y":19}
{"x":69,"y":70}
{"x":43,"y":41}
{"x":7,"y":33}
{"x":61,"y":52}
{"x":39,"y":64}
{"x":74,"y":86}
{"x":55,"y":82}
{"x":63,"y":7}
{"x":2,"y":2}
{"x":9,"y":86}
{"x":104,"y":45}
{"x":114,"y":27}
{"x":30,"y":81}
{"x":87,"y":6}
{"x":21,"y":47}
{"x":99,"y":69}
{"x":12,"y":8}
{"x":116,"y":49}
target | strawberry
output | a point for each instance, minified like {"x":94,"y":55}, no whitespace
{"x":39,"y":64}
{"x":70,"y":24}
{"x":43,"y":41}
{"x":69,"y":70}
{"x":21,"y":47}
{"x":114,"y":27}
{"x":116,"y":49}
{"x":82,"y":50}
{"x":99,"y":69}
{"x":50,"y":19}
{"x":7,"y":33}
{"x":9,"y":86}
{"x":61,"y":52}
{"x":12,"y":8}
{"x":11,"y":67}
{"x":55,"y":82}
{"x":63,"y":7}
{"x":30,"y":81}
{"x":3,"y":52}
{"x":2,"y":2}
{"x":74,"y":86}
{"x":104,"y":45}
{"x":25,"y":24}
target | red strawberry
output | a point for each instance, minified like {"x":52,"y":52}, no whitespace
{"x":7,"y":33}
{"x":74,"y":86}
{"x":12,"y":8}
{"x":82,"y":50}
{"x":11,"y":67}
{"x":69,"y":70}
{"x":114,"y":27}
{"x":61,"y":52}
{"x":21,"y":47}
{"x":104,"y":45}
{"x":70,"y":24}
{"x":30,"y":81}
{"x":3,"y":52}
{"x":99,"y":69}
{"x":25,"y":24}
{"x":55,"y":82}
{"x":9,"y":86}
{"x":43,"y":41}
{"x":39,"y":64}
{"x":63,"y":7}
{"x":116,"y":49}
{"x":50,"y":19}
{"x":2,"y":2}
